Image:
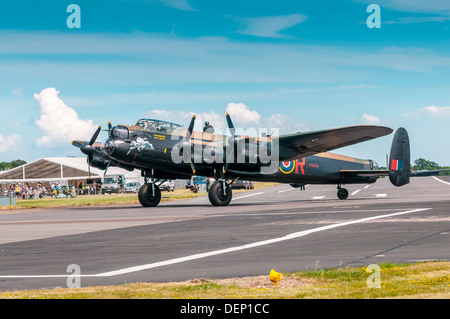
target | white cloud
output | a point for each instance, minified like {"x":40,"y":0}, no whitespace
{"x":434,"y":6}
{"x":18,"y":92}
{"x":9,"y":142}
{"x":271,"y":27}
{"x":284,"y":124}
{"x":371,"y":119}
{"x":437,"y":110}
{"x":59,"y":122}
{"x":206,"y":59}
{"x":246,"y":121}
{"x":184,"y":118}
{"x":178,"y":4}
{"x":432,"y":111}
{"x":241,"y":114}
{"x":410,"y":20}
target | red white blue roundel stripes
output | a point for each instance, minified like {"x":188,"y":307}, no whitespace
{"x":287,"y":167}
{"x":396,"y":165}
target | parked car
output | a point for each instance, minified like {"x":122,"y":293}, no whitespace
{"x":167,"y":186}
{"x":242,"y":184}
{"x":133,"y":187}
{"x":113,"y":184}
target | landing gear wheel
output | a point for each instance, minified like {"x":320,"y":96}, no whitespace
{"x":216,"y":195}
{"x":342,"y":193}
{"x":146,"y":197}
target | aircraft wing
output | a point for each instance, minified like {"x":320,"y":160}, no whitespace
{"x":309,"y":143}
{"x":386,"y":172}
{"x":365,"y":172}
{"x":434,"y":172}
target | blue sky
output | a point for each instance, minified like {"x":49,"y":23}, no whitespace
{"x":295,"y":65}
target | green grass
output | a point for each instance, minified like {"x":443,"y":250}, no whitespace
{"x":419,"y":280}
{"x":96,"y":200}
{"x":113,"y":199}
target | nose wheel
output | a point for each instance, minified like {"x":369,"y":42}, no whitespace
{"x":342,"y":193}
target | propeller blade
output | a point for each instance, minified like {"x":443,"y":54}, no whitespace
{"x":190,"y":129}
{"x":87,"y":148}
{"x":230,"y":142}
{"x":187,"y":148}
{"x":94,"y":137}
{"x":187,"y":156}
{"x":230,"y":125}
{"x":109,"y":126}
{"x":107,"y":166}
{"x":89,"y":167}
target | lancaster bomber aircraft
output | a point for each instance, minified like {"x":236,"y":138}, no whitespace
{"x":164,"y":150}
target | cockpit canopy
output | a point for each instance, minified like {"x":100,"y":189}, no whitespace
{"x":119,"y":132}
{"x":159,"y":126}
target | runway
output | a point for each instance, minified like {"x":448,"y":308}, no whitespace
{"x":280,"y":227}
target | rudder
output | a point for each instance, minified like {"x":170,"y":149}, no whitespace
{"x":399,"y":159}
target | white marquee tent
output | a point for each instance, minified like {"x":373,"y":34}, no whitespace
{"x":53,"y":169}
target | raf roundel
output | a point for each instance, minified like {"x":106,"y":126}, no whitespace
{"x":287,"y":167}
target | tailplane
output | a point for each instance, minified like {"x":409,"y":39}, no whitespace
{"x":399,"y":159}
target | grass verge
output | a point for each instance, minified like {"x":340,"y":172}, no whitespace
{"x":105,"y":200}
{"x":420,"y":280}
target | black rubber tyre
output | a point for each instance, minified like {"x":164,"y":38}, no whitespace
{"x":146,"y":198}
{"x":216,"y":196}
{"x":342,"y":193}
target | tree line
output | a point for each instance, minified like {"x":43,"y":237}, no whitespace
{"x":422,"y":164}
{"x":13,"y":164}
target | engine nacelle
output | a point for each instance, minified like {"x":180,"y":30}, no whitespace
{"x":99,"y":162}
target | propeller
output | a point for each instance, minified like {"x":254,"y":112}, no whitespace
{"x":88,"y":149}
{"x":109,"y":128}
{"x":107,"y":166}
{"x":109,"y":134}
{"x":231,"y":142}
{"x":187,"y":146}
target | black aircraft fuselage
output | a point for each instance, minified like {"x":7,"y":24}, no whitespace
{"x":131,"y":146}
{"x":164,"y":150}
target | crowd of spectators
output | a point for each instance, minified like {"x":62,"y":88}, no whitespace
{"x":27,"y":191}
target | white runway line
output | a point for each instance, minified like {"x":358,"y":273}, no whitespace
{"x":367,"y":186}
{"x":380,"y":195}
{"x":356,"y":192}
{"x":285,"y":190}
{"x":252,"y":245}
{"x":318,"y":197}
{"x":440,"y":180}
{"x":248,"y":195}
{"x":226,"y":250}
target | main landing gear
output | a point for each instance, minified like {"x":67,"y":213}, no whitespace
{"x":219,"y":193}
{"x":149,"y":195}
{"x":342,"y":193}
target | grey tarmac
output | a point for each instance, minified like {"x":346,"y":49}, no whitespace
{"x":275,"y":228}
